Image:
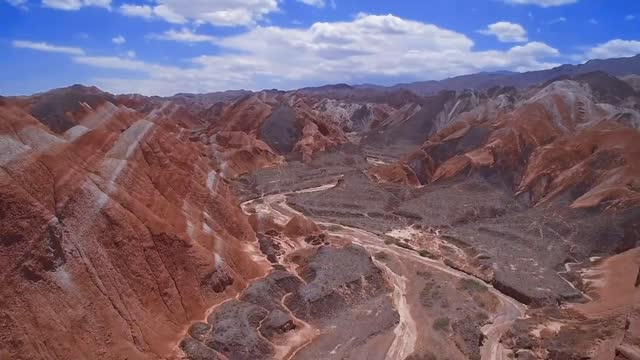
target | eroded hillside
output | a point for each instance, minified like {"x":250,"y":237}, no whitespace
{"x":335,"y":222}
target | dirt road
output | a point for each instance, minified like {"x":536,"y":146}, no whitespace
{"x":404,"y":343}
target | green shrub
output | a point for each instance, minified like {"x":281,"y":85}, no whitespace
{"x":482,"y":317}
{"x":473,"y":285}
{"x":441,"y":324}
{"x":381,"y":255}
{"x":426,"y":254}
{"x":429,"y":295}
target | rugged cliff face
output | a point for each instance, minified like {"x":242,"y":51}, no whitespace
{"x":116,"y":232}
{"x":556,"y":139}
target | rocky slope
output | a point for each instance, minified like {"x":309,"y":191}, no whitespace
{"x":476,"y":224}
{"x":117,"y":232}
{"x":569,"y":149}
{"x":118,"y":224}
{"x":557,"y":138}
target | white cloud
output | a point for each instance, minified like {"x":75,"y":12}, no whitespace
{"x":315,"y":3}
{"x":630,"y":17}
{"x":131,"y":53}
{"x":534,"y":49}
{"x":119,"y":40}
{"x":22,"y":4}
{"x":169,"y":14}
{"x":143,"y":11}
{"x":542,"y":3}
{"x":593,"y":21}
{"x":183,"y":35}
{"x":614,"y":48}
{"x":384,"y":48}
{"x":219,"y":13}
{"x":161,"y":12}
{"x":506,"y":32}
{"x":71,"y":5}
{"x":43,"y":46}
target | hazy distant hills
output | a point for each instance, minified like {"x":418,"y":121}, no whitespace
{"x":485,"y":80}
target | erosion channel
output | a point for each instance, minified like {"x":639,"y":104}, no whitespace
{"x":338,"y":291}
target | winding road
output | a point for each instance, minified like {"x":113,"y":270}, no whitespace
{"x":403,"y":345}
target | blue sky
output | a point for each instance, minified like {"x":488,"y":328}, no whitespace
{"x":167,"y":46}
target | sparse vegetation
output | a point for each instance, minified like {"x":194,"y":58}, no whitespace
{"x":381,"y":255}
{"x":334,"y":228}
{"x":441,"y":324}
{"x":429,"y":295}
{"x":482,"y":317}
{"x":472,"y":285}
{"x":426,"y":254}
{"x":390,"y":241}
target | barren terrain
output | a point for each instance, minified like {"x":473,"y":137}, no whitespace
{"x":332,"y":223}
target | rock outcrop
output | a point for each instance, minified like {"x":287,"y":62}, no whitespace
{"x":556,"y":140}
{"x":284,"y":122}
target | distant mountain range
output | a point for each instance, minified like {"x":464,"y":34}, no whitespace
{"x":485,"y":80}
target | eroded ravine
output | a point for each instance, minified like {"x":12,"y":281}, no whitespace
{"x":405,"y":333}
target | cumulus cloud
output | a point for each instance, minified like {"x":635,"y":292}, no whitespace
{"x":542,"y":3}
{"x":183,"y":35}
{"x":219,"y":13}
{"x":381,"y":47}
{"x":161,"y":12}
{"x":506,"y":31}
{"x":143,"y":11}
{"x":614,"y":48}
{"x":630,"y":17}
{"x":43,"y":46}
{"x":71,"y":5}
{"x":119,"y":40}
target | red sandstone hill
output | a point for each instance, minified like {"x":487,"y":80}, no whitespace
{"x":110,"y":217}
{"x":557,"y":139}
{"x":119,"y":229}
{"x":118,"y":226}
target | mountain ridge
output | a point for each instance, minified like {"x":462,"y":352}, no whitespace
{"x":619,"y":67}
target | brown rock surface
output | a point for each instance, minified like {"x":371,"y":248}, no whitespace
{"x":114,"y":236}
{"x":284,"y":121}
{"x":556,"y":140}
{"x":300,"y":226}
{"x":119,"y":232}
